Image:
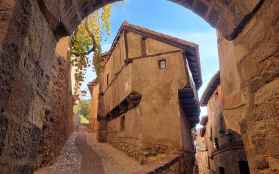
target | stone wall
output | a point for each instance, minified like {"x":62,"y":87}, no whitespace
{"x":27,"y":61}
{"x":27,"y":54}
{"x":201,"y":156}
{"x":251,"y":102}
{"x":120,"y":79}
{"x":94,"y":88}
{"x":173,"y":164}
{"x":229,"y":158}
{"x":228,"y":16}
{"x":58,"y":121}
{"x":224,"y":146}
{"x":115,"y":73}
{"x":159,"y":108}
{"x":136,"y":131}
{"x":252,"y":25}
{"x":128,"y":143}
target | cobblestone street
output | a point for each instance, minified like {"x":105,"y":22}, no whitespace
{"x":114,"y":161}
{"x":82,"y":154}
{"x":69,"y":160}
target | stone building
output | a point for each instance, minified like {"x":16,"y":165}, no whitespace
{"x":248,"y":33}
{"x":94,"y":89}
{"x":225,"y":150}
{"x":201,"y":157}
{"x":149,"y":104}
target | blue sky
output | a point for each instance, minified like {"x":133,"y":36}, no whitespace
{"x":170,"y":18}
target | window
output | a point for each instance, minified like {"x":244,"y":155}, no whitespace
{"x":107,"y":79}
{"x":122,"y":123}
{"x":143,"y":46}
{"x":210,"y":136}
{"x":162,"y":64}
{"x":221,"y":170}
{"x":216,"y":143}
{"x":222,"y":124}
{"x":243,"y":167}
{"x":216,"y":93}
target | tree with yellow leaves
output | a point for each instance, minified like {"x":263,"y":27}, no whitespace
{"x":87,"y":38}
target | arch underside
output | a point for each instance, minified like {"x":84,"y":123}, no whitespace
{"x":228,"y":16}
{"x":248,"y":70}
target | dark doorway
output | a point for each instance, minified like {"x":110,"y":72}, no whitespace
{"x":243,"y":167}
{"x":221,"y":170}
{"x":216,"y":143}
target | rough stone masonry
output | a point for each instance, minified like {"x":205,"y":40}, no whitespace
{"x":248,"y":46}
{"x":34,"y":88}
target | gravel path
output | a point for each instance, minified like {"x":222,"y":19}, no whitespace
{"x":68,"y":162}
{"x":82,"y":154}
{"x":91,"y":162}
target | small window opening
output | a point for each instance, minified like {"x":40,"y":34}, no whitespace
{"x":243,"y":167}
{"x":143,"y":46}
{"x":122,"y":123}
{"x":222,"y":124}
{"x":162,"y":64}
{"x":107,"y":79}
{"x":216,"y":93}
{"x":210,"y":136}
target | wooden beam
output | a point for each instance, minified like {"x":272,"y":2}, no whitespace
{"x":130,"y":102}
{"x":126,"y":45}
{"x":155,"y":55}
{"x":143,"y":46}
{"x":190,"y":105}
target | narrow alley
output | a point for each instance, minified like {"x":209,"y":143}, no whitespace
{"x":82,"y":154}
{"x":139,"y":86}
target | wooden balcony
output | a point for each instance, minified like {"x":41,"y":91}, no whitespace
{"x":130,"y":102}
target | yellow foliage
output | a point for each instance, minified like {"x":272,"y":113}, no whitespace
{"x":83,"y":120}
{"x":89,"y":35}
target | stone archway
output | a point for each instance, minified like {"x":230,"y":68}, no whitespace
{"x":248,"y":47}
{"x":228,"y":16}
